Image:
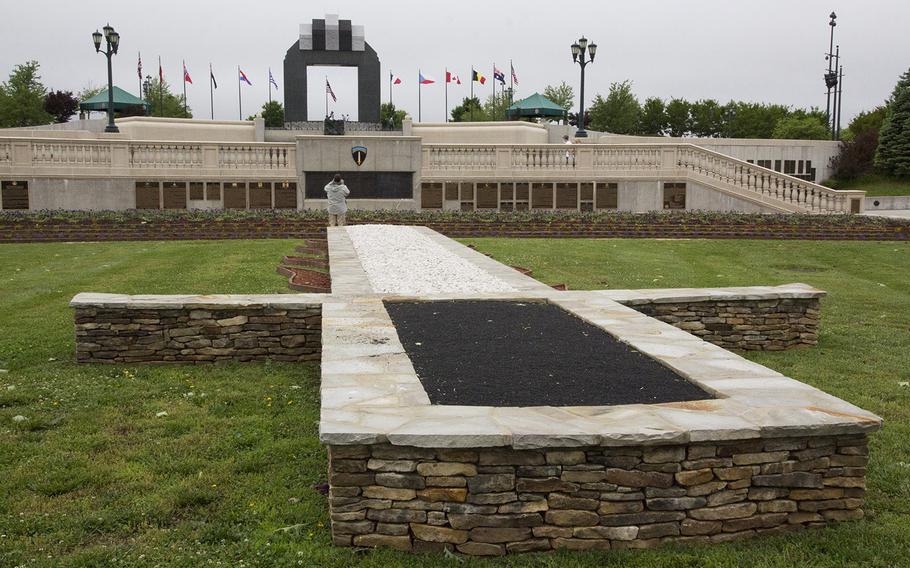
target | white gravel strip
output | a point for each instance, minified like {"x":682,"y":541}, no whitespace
{"x":400,"y":260}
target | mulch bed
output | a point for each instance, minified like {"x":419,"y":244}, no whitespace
{"x":305,"y":280}
{"x":305,"y":261}
{"x":497,"y":353}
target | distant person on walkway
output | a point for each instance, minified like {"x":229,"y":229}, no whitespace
{"x":336,"y":192}
{"x":569,"y":153}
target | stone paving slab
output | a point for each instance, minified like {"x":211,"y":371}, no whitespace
{"x":201,"y":301}
{"x":387,"y":407}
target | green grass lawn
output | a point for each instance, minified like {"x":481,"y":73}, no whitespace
{"x":875,"y":185}
{"x":94,"y":477}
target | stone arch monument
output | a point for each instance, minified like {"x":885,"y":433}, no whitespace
{"x":331,"y":42}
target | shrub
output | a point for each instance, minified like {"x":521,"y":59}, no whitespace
{"x":856,"y":156}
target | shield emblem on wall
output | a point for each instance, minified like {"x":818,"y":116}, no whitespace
{"x":359,"y":153}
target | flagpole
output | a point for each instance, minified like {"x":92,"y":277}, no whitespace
{"x":419,"y":91}
{"x":326,"y":96}
{"x":390,"y":88}
{"x":184,"y":88}
{"x":160,"y":89}
{"x":270,"y":86}
{"x":447,"y":95}
{"x":511,"y":85}
{"x":211,"y":91}
{"x":239,"y":96}
{"x":472,"y":93}
{"x":140,"y":76}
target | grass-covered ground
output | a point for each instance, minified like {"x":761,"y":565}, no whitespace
{"x":94,"y":477}
{"x":875,"y":185}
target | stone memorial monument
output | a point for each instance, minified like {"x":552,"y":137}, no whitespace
{"x":331,"y":42}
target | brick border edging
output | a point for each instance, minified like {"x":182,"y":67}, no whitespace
{"x":253,"y":229}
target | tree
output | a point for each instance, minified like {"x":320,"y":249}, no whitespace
{"x":893,"y":154}
{"x":856,"y":156}
{"x":706,"y":118}
{"x":61,"y":105}
{"x":619,"y":113}
{"x":800,"y":128}
{"x":653,"y":120}
{"x":159,"y":99}
{"x":678,"y":121}
{"x":752,"y":120}
{"x":22,"y":98}
{"x":561,"y":94}
{"x":273,"y":114}
{"x":390,"y":116}
{"x":866,"y":120}
{"x":469,"y":110}
{"x":495,"y":106}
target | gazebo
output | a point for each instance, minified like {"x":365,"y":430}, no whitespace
{"x":535,"y":106}
{"x":123,"y":102}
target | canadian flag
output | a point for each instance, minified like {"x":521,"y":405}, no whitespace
{"x":452,"y":78}
{"x":396,"y":80}
{"x":186,"y":75}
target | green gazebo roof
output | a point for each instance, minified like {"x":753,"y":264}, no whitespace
{"x":536,"y":106}
{"x":122,"y":101}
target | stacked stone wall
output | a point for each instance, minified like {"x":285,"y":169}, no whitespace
{"x":197,"y":335}
{"x":496,"y":501}
{"x":754,"y":325}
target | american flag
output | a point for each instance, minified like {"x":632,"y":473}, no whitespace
{"x":328,"y":90}
{"x":514,"y":76}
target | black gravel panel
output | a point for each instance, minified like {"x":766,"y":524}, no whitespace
{"x":500,"y":353}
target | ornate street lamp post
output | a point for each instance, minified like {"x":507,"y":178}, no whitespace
{"x":831,"y":75}
{"x":580,"y":49}
{"x":112,"y":39}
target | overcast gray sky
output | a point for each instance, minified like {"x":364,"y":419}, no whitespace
{"x":770,"y":51}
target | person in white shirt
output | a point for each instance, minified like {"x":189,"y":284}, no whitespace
{"x":336,"y":193}
{"x":569,"y":153}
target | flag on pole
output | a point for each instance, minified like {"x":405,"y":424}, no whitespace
{"x":139,"y":67}
{"x":243,"y":77}
{"x":186,"y":75}
{"x":452,"y":78}
{"x":160,"y":72}
{"x":272,"y":79}
{"x":514,"y":76}
{"x":425,"y":79}
{"x":329,"y":91}
{"x":475,"y":76}
{"x":499,"y":75}
{"x":212,"y":76}
{"x":396,"y":80}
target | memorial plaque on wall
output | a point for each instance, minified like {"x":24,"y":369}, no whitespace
{"x":14,"y":194}
{"x":148,"y":195}
{"x":286,"y":195}
{"x":363,"y":185}
{"x":174,"y":195}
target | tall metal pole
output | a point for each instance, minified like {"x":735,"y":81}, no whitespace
{"x":840,"y":98}
{"x":419,"y":102}
{"x":239,"y":96}
{"x":160,"y":89}
{"x":447,"y":95}
{"x":472,"y":93}
{"x":111,"y":127}
{"x":830,"y":57}
{"x":834,"y":117}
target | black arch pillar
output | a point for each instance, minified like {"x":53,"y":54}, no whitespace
{"x":331,"y":45}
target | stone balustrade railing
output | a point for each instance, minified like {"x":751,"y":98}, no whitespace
{"x":262,"y":157}
{"x":27,"y":157}
{"x":6,"y":153}
{"x":166,"y":155}
{"x":71,"y":154}
{"x":669,"y":161}
{"x":440,"y":162}
{"x":706,"y":165}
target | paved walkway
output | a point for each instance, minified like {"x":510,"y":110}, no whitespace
{"x":892,"y":213}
